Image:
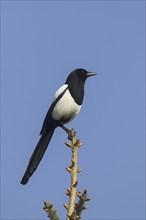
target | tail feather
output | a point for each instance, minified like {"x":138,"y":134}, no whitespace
{"x":37,"y":155}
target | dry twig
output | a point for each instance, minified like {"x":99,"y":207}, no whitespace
{"x":73,"y":169}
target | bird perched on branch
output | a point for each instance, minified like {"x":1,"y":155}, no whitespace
{"x":66,"y":105}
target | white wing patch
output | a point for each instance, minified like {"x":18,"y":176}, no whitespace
{"x":66,"y":107}
{"x":60,"y":90}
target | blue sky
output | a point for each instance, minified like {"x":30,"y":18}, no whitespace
{"x":41,"y":43}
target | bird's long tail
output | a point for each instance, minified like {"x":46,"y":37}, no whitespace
{"x":37,"y":155}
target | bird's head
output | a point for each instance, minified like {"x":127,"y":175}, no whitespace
{"x":79,"y":75}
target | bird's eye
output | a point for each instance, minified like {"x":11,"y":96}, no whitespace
{"x":83,"y":71}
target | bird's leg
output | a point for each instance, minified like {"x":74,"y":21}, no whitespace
{"x":71,"y":133}
{"x":65,"y":128}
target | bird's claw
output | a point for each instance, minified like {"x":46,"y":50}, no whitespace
{"x":71,"y":134}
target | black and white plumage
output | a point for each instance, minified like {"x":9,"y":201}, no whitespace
{"x":66,"y":105}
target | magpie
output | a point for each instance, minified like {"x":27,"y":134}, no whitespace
{"x":65,"y":106}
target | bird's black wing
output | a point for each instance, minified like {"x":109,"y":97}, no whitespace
{"x":47,"y":131}
{"x":48,"y":117}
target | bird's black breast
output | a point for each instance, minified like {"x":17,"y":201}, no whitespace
{"x":76,"y":81}
{"x":77,"y":92}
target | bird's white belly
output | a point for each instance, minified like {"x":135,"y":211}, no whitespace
{"x":65,"y":108}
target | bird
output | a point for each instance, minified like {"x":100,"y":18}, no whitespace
{"x":66,"y":105}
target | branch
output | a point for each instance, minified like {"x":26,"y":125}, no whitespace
{"x":52,"y":214}
{"x":80,"y":205}
{"x":74,"y":209}
{"x":71,"y":192}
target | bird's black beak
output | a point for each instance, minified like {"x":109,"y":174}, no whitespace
{"x":90,"y":74}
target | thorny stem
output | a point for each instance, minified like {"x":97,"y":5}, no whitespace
{"x":73,"y":170}
{"x":74,"y":209}
{"x":52,"y":214}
